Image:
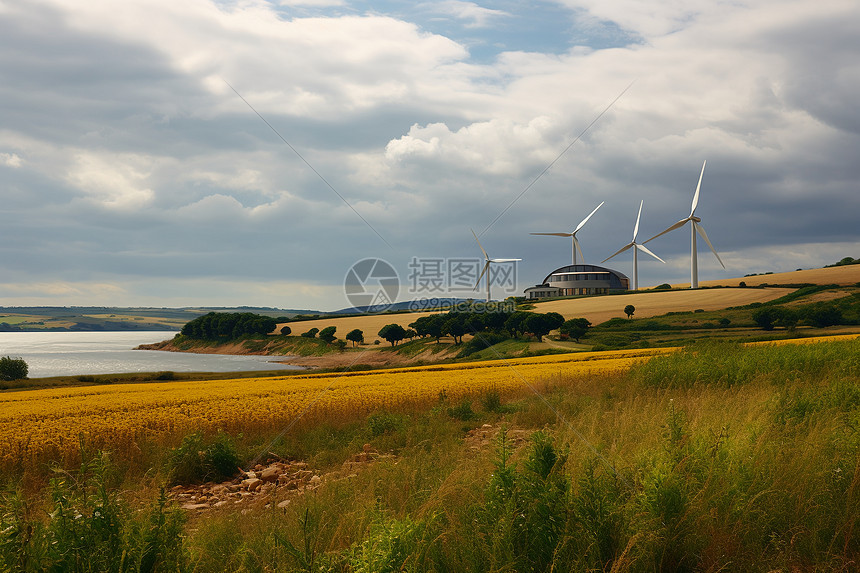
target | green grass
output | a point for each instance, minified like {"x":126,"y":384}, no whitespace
{"x":720,"y":457}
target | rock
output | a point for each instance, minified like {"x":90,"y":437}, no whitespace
{"x":252,"y":484}
{"x":192,"y":506}
{"x":293,"y":484}
{"x":221,"y":503}
{"x":284,"y":504}
{"x":270,"y":474}
{"x":258,"y":467}
{"x":316,"y":480}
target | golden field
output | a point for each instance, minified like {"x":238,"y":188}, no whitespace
{"x":599,"y":309}
{"x":41,"y":425}
{"x":38,"y":426}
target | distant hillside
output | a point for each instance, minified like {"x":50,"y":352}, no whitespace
{"x":842,"y":275}
{"x":96,"y":318}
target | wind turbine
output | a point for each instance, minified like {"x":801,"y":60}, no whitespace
{"x":636,"y":248}
{"x":696,"y":228}
{"x":486,"y":269}
{"x":574,"y":242}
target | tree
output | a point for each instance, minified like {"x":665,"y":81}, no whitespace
{"x":393,"y":333}
{"x":766,"y":317}
{"x":575,"y":328}
{"x":430,"y":325}
{"x":541,"y":324}
{"x":286,"y":330}
{"x":514,"y":323}
{"x":629,"y":310}
{"x":355,"y":336}
{"x":824,"y":315}
{"x":327,"y":334}
{"x":13,"y":368}
{"x":455,"y":325}
{"x":410,"y":333}
{"x":312,"y":333}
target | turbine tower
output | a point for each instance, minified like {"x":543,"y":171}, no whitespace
{"x":695,"y":228}
{"x":486,"y":269}
{"x":636,"y":248}
{"x":574,"y":241}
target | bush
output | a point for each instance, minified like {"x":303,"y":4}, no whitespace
{"x":166,"y":375}
{"x":312,"y":333}
{"x":462,"y":411}
{"x":327,"y":334}
{"x":194,"y":461}
{"x":286,"y":330}
{"x":381,"y":423}
{"x":13,"y":368}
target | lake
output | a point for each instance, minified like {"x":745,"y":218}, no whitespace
{"x":77,"y":353}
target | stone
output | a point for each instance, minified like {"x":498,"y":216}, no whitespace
{"x":252,"y":484}
{"x":270,"y":474}
{"x":316,"y":480}
{"x":192,"y":506}
{"x":283,"y":504}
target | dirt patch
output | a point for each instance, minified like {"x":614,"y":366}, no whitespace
{"x":276,"y":482}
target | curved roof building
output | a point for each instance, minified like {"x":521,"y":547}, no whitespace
{"x":574,"y":280}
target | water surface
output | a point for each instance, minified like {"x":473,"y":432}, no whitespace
{"x":77,"y":353}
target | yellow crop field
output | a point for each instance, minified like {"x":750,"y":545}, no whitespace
{"x":41,"y":425}
{"x":38,"y":426}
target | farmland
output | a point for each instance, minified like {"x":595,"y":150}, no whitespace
{"x":40,"y":425}
{"x":720,"y":456}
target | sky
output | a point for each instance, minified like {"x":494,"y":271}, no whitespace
{"x":224,"y":153}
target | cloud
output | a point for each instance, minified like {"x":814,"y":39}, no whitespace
{"x":476,"y":15}
{"x":10,"y":160}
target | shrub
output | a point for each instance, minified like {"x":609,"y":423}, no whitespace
{"x":286,"y":330}
{"x":327,"y":334}
{"x":312,"y":333}
{"x":463,"y":411}
{"x":13,"y":368}
{"x":195,"y":461}
{"x":381,"y":423}
{"x":166,"y":375}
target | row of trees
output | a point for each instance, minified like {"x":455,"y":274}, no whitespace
{"x":228,"y":325}
{"x":515,"y":324}
{"x":818,"y":315}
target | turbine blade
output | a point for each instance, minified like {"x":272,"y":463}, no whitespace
{"x":644,"y":249}
{"x":578,"y":250}
{"x":618,"y":252}
{"x":486,"y":266}
{"x":701,"y":231}
{"x":698,"y":188}
{"x":584,"y":221}
{"x":504,"y":260}
{"x":677,"y":225}
{"x":554,"y":234}
{"x":636,"y":228}
{"x":486,"y":256}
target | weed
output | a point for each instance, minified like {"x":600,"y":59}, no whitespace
{"x":196,"y":461}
